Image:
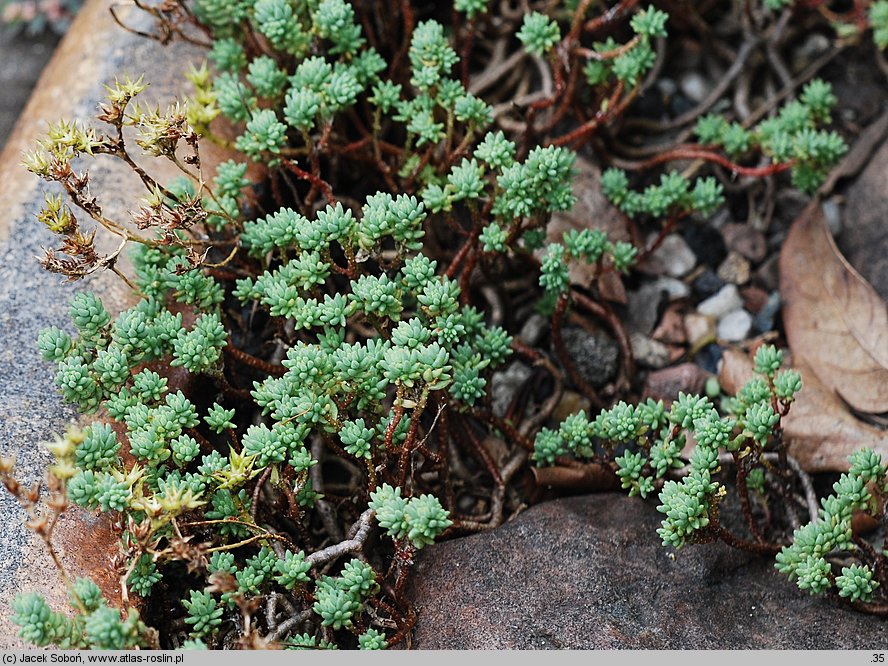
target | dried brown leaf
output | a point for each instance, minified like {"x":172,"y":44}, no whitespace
{"x":820,"y":429}
{"x":836,"y":323}
{"x":864,"y":237}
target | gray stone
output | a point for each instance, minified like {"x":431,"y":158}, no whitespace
{"x":764,"y":318}
{"x":698,"y":328}
{"x":734,"y":326}
{"x":768,"y":274}
{"x":734,"y":269}
{"x":674,"y":257}
{"x":674,"y":289}
{"x":31,"y":410}
{"x":533,"y":329}
{"x":745,"y":239}
{"x":504,"y":384}
{"x":814,"y":45}
{"x":644,"y":302}
{"x":707,"y":283}
{"x":649,"y":353}
{"x":726,"y":300}
{"x":666,"y":86}
{"x":694,"y":86}
{"x":589,"y":573}
{"x":595,"y":355}
{"x":643,"y":308}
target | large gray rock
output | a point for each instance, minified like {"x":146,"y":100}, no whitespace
{"x":590,"y":573}
{"x":31,"y":411}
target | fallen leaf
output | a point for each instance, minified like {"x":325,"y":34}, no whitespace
{"x":859,"y":156}
{"x":820,"y":429}
{"x":864,"y":237}
{"x":835,"y":322}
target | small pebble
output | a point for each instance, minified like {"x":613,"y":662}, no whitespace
{"x":649,"y":353}
{"x":673,"y":257}
{"x":571,"y":403}
{"x":666,"y":86}
{"x":754,"y":299}
{"x":789,"y":204}
{"x":675,"y":289}
{"x":764,"y":320}
{"x":813,"y":46}
{"x":698,"y":329}
{"x":679,"y":105}
{"x":726,"y":300}
{"x":709,"y":357}
{"x":768,"y":274}
{"x":694,"y":86}
{"x":776,"y":238}
{"x":466,"y":504}
{"x":643,"y":308}
{"x":595,"y":356}
{"x":671,"y":329}
{"x":706,"y":243}
{"x":734,"y":269}
{"x":707,"y":283}
{"x":533,"y":329}
{"x":734,"y":326}
{"x":745,"y":239}
{"x":666,"y":384}
{"x":506,"y":383}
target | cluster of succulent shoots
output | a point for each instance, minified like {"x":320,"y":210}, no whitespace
{"x":645,"y":444}
{"x":283,"y":405}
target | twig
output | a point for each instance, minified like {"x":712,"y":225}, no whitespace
{"x":807,"y":487}
{"x":361,"y":530}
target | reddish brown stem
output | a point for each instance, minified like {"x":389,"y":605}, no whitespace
{"x":612,"y":109}
{"x":527,"y":352}
{"x":254,"y":508}
{"x":760,"y":548}
{"x":612,"y":15}
{"x":409,"y":23}
{"x":444,"y":449}
{"x":393,"y":424}
{"x":206,"y":446}
{"x":466,"y":275}
{"x":404,"y":628}
{"x":697,"y":153}
{"x":482,"y":453}
{"x":315,"y":181}
{"x":508,"y":429}
{"x":745,"y":504}
{"x":244,"y":358}
{"x":458,"y":258}
{"x":409,"y":445}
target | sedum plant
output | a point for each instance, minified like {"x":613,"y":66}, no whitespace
{"x":298,"y":399}
{"x":820,"y":548}
{"x":644,"y":445}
